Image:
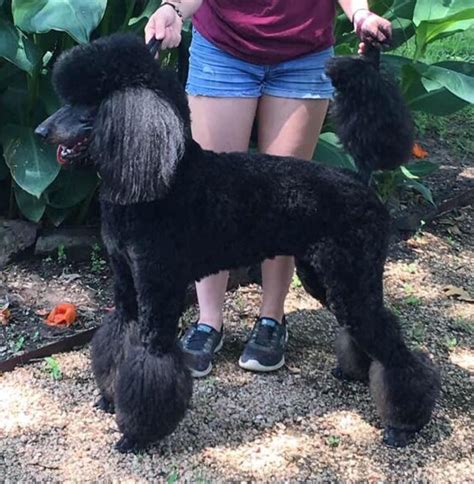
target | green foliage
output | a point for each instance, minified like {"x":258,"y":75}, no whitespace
{"x":78,"y":18}
{"x":62,"y":257}
{"x":17,"y":345}
{"x":333,"y":441}
{"x":430,"y":83}
{"x":97,"y":262}
{"x":52,"y":367}
{"x":34,"y":32}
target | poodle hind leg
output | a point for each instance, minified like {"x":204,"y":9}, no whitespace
{"x":310,"y":280}
{"x":404,"y":392}
{"x":353,"y":362}
{"x":404,"y":385}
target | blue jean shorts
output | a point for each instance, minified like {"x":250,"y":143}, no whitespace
{"x":215,"y":73}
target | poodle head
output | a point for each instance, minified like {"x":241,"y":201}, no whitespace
{"x":121,"y":111}
{"x":89,"y":73}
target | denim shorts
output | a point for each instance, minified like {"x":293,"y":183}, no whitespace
{"x":215,"y":73}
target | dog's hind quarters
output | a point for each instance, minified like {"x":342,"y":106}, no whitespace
{"x":405,"y":396}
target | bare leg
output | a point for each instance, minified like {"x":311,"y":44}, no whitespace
{"x":287,"y":127}
{"x":219,"y":124}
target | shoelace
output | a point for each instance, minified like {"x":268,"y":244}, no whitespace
{"x":197,"y":340}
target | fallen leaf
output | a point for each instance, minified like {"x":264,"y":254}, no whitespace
{"x":293,"y":369}
{"x":5,"y":314}
{"x":418,"y":151}
{"x":62,"y":315}
{"x":458,"y":292}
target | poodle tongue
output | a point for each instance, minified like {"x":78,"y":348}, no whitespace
{"x":59,"y":154}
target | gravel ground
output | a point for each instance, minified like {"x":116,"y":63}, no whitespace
{"x":296,"y":424}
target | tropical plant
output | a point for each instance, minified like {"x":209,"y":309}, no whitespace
{"x":439,"y":89}
{"x":34,"y":32}
{"x":32,"y":35}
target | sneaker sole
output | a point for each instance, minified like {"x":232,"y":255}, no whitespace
{"x":254,"y":365}
{"x":203,"y":373}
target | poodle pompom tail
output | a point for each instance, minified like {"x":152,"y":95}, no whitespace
{"x":370,"y":115}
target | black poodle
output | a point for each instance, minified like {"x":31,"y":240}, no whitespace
{"x":173,"y":213}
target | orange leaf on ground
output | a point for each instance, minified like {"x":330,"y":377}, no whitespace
{"x":62,"y":315}
{"x":5,"y":315}
{"x":418,"y":151}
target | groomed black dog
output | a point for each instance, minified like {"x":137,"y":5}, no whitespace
{"x":173,"y":213}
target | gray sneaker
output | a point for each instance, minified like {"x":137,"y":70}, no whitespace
{"x":199,"y":344}
{"x":265,"y":350}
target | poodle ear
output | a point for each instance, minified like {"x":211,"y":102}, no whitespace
{"x":137,"y":142}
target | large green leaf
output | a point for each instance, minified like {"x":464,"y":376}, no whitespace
{"x":403,"y":9}
{"x":420,"y":188}
{"x":148,"y":11}
{"x":402,"y":31}
{"x":31,"y":207}
{"x":32,"y":164}
{"x":76,"y":17}
{"x":16,"y":48}
{"x":330,"y":152}
{"x":57,"y":215}
{"x":456,"y":77}
{"x":438,"y":9}
{"x":439,"y":102}
{"x":436,"y":19}
{"x":71,"y":187}
{"x":14,"y":105}
{"x":418,"y":169}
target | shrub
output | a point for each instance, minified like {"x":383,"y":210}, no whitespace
{"x":34,"y":32}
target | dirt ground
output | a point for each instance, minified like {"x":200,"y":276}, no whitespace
{"x":297,"y":424}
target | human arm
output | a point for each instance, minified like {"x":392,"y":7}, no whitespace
{"x":166,"y":23}
{"x":370,"y":28}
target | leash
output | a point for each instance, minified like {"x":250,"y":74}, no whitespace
{"x":153,"y":46}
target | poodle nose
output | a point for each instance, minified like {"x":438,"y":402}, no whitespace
{"x":42,"y":131}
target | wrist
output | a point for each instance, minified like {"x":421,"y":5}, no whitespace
{"x":358,"y":14}
{"x":173,"y":6}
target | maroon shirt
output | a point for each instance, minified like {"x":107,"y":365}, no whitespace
{"x":267,"y":31}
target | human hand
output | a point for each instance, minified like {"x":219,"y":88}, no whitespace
{"x":371,"y":29}
{"x":165,"y":25}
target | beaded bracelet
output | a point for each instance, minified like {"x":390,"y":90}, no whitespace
{"x":174,"y":7}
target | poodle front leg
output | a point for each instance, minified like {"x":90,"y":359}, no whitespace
{"x":153,"y":386}
{"x":107,"y":344}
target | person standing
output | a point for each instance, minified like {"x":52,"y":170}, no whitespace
{"x":256,"y":60}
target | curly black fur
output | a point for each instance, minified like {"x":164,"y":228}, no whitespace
{"x":371,"y":119}
{"x":173,"y":213}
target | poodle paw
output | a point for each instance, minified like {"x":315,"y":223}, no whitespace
{"x":127,"y":446}
{"x":396,"y":437}
{"x":340,"y":375}
{"x":105,"y":405}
